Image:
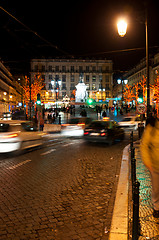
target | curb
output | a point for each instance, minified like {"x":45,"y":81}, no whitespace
{"x":119,"y":225}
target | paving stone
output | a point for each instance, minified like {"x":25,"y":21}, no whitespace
{"x":149,"y":225}
{"x":60,"y":197}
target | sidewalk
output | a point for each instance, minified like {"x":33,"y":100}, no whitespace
{"x":121,"y":225}
{"x":149,"y":225}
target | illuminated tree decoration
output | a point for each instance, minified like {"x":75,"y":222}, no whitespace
{"x":37,"y":85}
{"x":155,"y":88}
{"x":73,"y":95}
{"x":128,"y":93}
{"x":136,"y":95}
{"x":143,"y":85}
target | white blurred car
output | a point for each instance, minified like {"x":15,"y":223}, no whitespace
{"x":18,"y":135}
{"x":131,"y":122}
{"x":6,"y":116}
{"x":75,"y":126}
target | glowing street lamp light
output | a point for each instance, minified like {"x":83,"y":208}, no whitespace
{"x":122,"y":27}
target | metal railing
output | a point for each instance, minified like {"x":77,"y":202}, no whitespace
{"x":135,"y":193}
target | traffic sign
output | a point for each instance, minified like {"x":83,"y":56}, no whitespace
{"x":141,"y":108}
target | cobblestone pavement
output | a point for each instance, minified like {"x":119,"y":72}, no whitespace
{"x":149,"y":225}
{"x":64,"y":191}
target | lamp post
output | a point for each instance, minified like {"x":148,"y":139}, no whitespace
{"x":147,"y":66}
{"x":56,"y":84}
{"x":122,"y":28}
{"x":122,"y":82}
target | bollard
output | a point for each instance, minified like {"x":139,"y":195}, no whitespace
{"x":60,"y":119}
{"x":140,"y":129}
{"x":131,"y":140}
{"x":136,"y":224}
{"x":133,"y":175}
{"x":133,"y":167}
{"x":132,"y":152}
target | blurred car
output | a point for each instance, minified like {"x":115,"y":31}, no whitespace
{"x":103,"y":131}
{"x":130,"y":123}
{"x":6,"y":116}
{"x":75,"y":126}
{"x":18,"y":135}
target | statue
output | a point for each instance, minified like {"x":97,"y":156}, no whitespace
{"x":81,"y":93}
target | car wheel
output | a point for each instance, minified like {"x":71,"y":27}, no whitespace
{"x":122,"y":136}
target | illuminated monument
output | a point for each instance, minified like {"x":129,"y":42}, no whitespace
{"x":81,"y":93}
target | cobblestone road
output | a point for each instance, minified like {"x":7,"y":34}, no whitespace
{"x":64,"y":191}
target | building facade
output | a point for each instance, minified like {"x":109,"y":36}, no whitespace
{"x":10,"y":91}
{"x":136,"y":74}
{"x":62,"y":75}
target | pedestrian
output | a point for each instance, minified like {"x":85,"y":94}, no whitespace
{"x":150,"y":156}
{"x":83,"y":113}
{"x":41,"y":123}
{"x":121,"y":111}
{"x":104,"y":114}
{"x":48,"y":118}
{"x":53,"y":118}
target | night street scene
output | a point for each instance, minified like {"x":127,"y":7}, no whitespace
{"x":79,"y":126}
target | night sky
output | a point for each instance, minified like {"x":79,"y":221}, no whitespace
{"x":85,"y":28}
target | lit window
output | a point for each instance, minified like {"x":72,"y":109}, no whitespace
{"x":93,"y":78}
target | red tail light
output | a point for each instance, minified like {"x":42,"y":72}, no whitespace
{"x":86,"y":133}
{"x":10,"y":135}
{"x":103,"y":134}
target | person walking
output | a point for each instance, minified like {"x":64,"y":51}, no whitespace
{"x":150,"y":155}
{"x":41,"y":123}
{"x":104,"y":114}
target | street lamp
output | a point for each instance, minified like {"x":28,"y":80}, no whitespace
{"x":122,"y":27}
{"x":56,"y":85}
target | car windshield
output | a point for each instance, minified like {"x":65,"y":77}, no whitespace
{"x":138,"y":119}
{"x":99,"y":125}
{"x":74,"y":121}
{"x":128,"y":119}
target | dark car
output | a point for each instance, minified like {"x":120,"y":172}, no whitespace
{"x":104,"y":131}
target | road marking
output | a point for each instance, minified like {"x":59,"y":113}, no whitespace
{"x":19,"y":164}
{"x":45,"y":153}
{"x":67,"y":144}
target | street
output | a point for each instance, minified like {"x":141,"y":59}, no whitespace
{"x":64,"y":190}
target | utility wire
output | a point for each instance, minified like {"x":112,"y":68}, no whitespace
{"x":64,"y":52}
{"x":117,"y":51}
{"x":35,"y":33}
